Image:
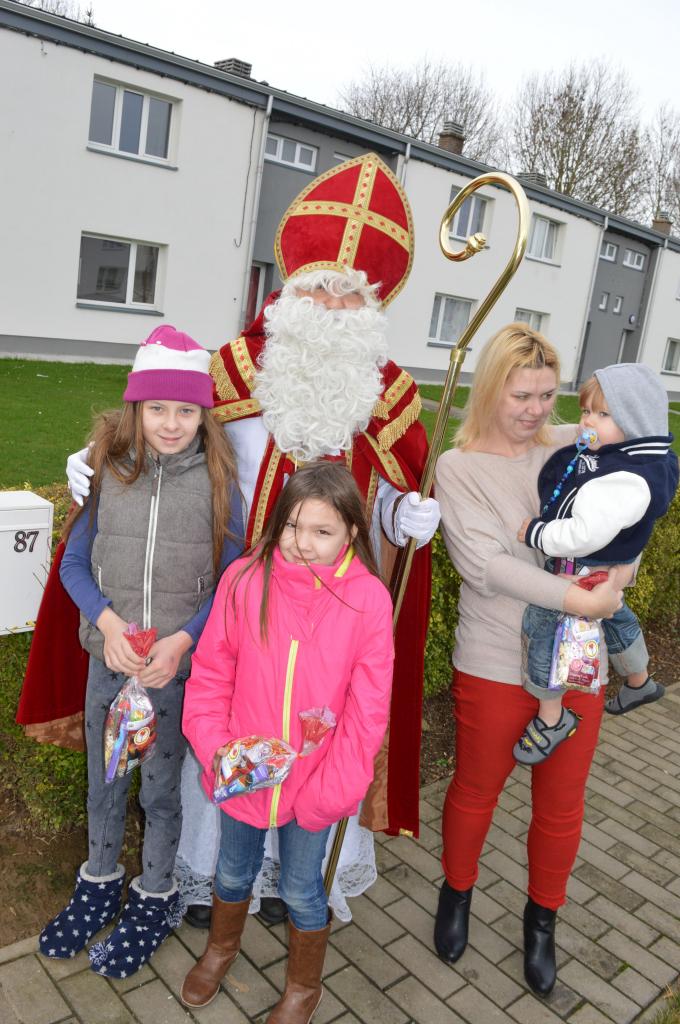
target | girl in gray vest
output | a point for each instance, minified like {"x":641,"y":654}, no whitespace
{"x":148,"y":547}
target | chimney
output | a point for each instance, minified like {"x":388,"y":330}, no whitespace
{"x":662,"y":222}
{"x":533,"y":178}
{"x":452,"y":137}
{"x":234,"y":66}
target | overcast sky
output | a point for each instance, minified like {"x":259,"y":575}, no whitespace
{"x":313,"y":49}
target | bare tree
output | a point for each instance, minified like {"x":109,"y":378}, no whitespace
{"x":662,"y":166}
{"x":416,"y":101}
{"x":65,"y":8}
{"x":579,"y":127}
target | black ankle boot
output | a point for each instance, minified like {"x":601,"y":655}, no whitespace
{"x":451,"y":923}
{"x":540,"y":970}
{"x":272,"y":910}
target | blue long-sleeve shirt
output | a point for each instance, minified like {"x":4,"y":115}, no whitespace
{"x":76,"y":567}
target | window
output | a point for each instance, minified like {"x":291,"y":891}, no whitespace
{"x":340,"y":158}
{"x":127,"y":121}
{"x":124,"y":273}
{"x":609,"y":251}
{"x":529,"y":316}
{"x":469,"y":218}
{"x":287,"y":151}
{"x":449,"y":318}
{"x":542,"y":238}
{"x":633,"y":259}
{"x":604,"y":301}
{"x":618,"y":304}
{"x":671,"y":361}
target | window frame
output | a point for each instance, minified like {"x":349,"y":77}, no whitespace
{"x":672,"y":344}
{"x":114,"y":148}
{"x":436,"y":341}
{"x":129,"y":305}
{"x":604,"y":249}
{"x":278,"y":158}
{"x":603,"y":304}
{"x":632,"y":263}
{"x":475,"y":198}
{"x":617,"y":305}
{"x":531,"y":319}
{"x":555,"y":225}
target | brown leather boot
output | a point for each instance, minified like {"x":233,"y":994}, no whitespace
{"x":202,"y":983}
{"x":302,"y":995}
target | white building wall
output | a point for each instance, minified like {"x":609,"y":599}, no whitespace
{"x":59,"y":188}
{"x":560,"y":290}
{"x":663,"y":319}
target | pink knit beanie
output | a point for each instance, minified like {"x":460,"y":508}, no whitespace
{"x":171,"y":366}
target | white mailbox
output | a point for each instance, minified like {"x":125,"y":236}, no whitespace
{"x":25,"y":552}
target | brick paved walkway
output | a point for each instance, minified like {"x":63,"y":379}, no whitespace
{"x":619,"y":935}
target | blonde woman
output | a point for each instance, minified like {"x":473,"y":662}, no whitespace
{"x":485,"y":486}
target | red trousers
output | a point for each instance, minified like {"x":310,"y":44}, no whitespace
{"x":490,"y":718}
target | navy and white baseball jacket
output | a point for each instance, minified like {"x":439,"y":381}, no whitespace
{"x":609,"y":504}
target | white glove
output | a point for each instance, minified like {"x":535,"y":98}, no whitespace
{"x":416,"y":518}
{"x":79,"y":472}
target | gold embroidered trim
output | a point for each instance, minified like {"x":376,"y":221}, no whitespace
{"x":397,"y":428}
{"x":244,"y":364}
{"x":348,"y":458}
{"x":393,"y":470}
{"x":380,"y":410}
{"x":267,"y":483}
{"x":225,"y":389}
{"x":237,"y":410}
{"x":398,"y":389}
{"x":371,"y":493}
{"x":357,"y":217}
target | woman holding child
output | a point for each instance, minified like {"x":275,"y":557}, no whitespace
{"x":486,"y":486}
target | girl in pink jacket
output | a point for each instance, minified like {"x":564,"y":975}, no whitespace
{"x":302,"y":621}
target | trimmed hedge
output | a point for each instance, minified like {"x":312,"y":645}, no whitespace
{"x":52,"y":782}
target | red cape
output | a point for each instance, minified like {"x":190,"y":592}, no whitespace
{"x":394,"y":446}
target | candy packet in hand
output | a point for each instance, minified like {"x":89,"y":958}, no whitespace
{"x":316,"y":722}
{"x":250,"y":764}
{"x":130,"y":726}
{"x":576,"y":652}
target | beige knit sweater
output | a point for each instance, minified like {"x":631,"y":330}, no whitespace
{"x":484,"y":500}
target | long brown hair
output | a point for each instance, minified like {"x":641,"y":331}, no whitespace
{"x":329,"y":482}
{"x":515,"y":347}
{"x":117,"y":446}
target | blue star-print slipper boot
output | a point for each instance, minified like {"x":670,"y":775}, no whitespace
{"x":95,"y":902}
{"x":147,"y":919}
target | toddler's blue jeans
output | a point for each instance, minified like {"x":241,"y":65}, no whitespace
{"x":301,"y":853}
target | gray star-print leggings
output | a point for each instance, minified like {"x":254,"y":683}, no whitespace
{"x":160,"y":793}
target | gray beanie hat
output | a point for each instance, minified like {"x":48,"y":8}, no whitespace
{"x":637,"y":400}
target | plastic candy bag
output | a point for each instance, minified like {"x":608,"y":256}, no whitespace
{"x":250,"y":764}
{"x":130,"y":726}
{"x":316,"y":722}
{"x":576,"y":652}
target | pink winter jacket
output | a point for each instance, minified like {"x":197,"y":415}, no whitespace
{"x":327,"y":644}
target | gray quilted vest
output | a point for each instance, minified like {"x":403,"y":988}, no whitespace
{"x":152,"y":555}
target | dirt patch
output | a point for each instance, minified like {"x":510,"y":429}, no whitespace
{"x":37,"y":871}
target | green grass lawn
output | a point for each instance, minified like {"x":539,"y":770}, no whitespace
{"x":47,"y":411}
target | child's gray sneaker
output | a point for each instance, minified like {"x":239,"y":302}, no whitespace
{"x":539,"y":740}
{"x":630,"y":697}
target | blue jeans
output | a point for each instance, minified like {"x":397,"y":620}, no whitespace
{"x":625,"y":645}
{"x":301,"y":854}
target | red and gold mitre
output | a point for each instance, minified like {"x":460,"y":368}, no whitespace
{"x":355,"y":215}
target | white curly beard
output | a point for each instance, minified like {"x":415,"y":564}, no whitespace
{"x":319,"y":376}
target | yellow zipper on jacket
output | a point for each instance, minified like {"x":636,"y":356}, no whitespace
{"x":287,"y":700}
